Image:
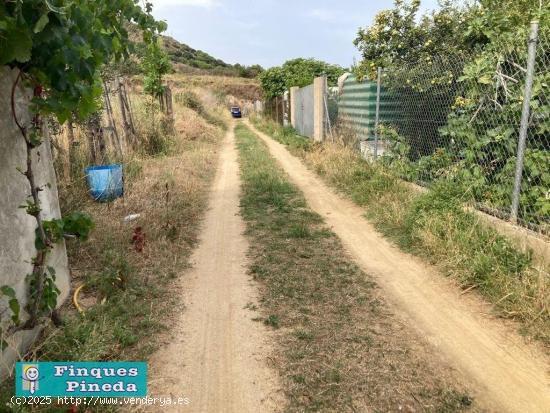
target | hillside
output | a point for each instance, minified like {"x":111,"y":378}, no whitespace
{"x":186,"y":55}
{"x":185,"y":59}
{"x":236,"y":89}
{"x":188,"y":60}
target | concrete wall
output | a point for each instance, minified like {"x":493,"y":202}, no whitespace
{"x":293,"y":106}
{"x":17,"y":228}
{"x":307,"y":109}
{"x":319,"y":93}
{"x":302,"y":110}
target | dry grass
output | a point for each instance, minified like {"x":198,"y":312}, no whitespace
{"x":344,"y":134}
{"x":128,"y":295}
{"x":169,"y":192}
{"x":340,"y":347}
{"x":192,"y":126}
{"x":435,"y":226}
{"x":241,"y":88}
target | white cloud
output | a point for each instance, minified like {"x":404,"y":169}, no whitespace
{"x":321,"y":14}
{"x":207,"y":4}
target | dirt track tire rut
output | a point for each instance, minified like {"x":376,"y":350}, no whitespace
{"x":510,"y":376}
{"x":217,"y":354}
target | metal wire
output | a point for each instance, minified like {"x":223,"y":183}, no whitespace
{"x":458,"y":116}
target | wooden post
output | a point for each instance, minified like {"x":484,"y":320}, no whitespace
{"x":125,"y":125}
{"x":169,"y":105}
{"x":161,"y":102}
{"x":72,"y":146}
{"x":91,"y":145}
{"x":96,"y":137}
{"x":111,"y":120}
{"x":128,"y":104}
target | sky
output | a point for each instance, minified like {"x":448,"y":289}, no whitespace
{"x":269,"y":32}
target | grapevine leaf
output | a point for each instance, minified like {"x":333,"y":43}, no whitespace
{"x":79,"y":224}
{"x":41,"y":23}
{"x":15,"y":309}
{"x":15,"y":45}
{"x":117,"y":47}
{"x":8,"y":291}
{"x":51,"y":271}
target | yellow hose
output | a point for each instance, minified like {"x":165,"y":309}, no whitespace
{"x":75,"y":299}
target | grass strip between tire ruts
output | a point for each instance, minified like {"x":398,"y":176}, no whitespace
{"x":339,"y":347}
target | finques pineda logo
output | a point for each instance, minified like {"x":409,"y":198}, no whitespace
{"x":81,"y":379}
{"x":30,"y":377}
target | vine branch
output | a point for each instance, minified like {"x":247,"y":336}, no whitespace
{"x":39,"y":262}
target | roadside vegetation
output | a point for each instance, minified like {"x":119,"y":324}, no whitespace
{"x":127,"y":268}
{"x":240,"y":88}
{"x":340,"y":348}
{"x":296,"y":72}
{"x":435,"y":226}
{"x":449,"y":63}
{"x":191,"y":61}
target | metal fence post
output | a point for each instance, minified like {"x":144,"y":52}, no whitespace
{"x":524,"y":119}
{"x":377,"y":115}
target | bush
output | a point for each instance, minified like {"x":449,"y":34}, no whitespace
{"x":190,"y":100}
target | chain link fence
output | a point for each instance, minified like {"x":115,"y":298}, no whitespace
{"x":469,"y":118}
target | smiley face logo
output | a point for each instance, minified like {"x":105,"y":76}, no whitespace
{"x":31,"y":375}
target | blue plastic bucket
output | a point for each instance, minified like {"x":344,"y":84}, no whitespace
{"x":105,"y":182}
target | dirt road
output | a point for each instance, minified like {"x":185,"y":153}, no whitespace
{"x":509,"y":376}
{"x":217,"y":355}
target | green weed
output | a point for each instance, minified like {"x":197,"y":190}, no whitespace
{"x":336,"y":337}
{"x":435,"y":226}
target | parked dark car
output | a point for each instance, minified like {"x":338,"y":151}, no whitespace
{"x":236,"y":112}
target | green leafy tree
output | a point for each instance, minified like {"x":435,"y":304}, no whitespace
{"x":155,"y":65}
{"x":401,"y":36}
{"x":504,"y":21}
{"x":250,"y":72}
{"x":464,"y":65}
{"x":253,"y":71}
{"x":62,"y":44}
{"x":297,"y":72}
{"x":60,"y":47}
{"x":273,"y":82}
{"x":301,"y":72}
{"x":492,"y":83}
